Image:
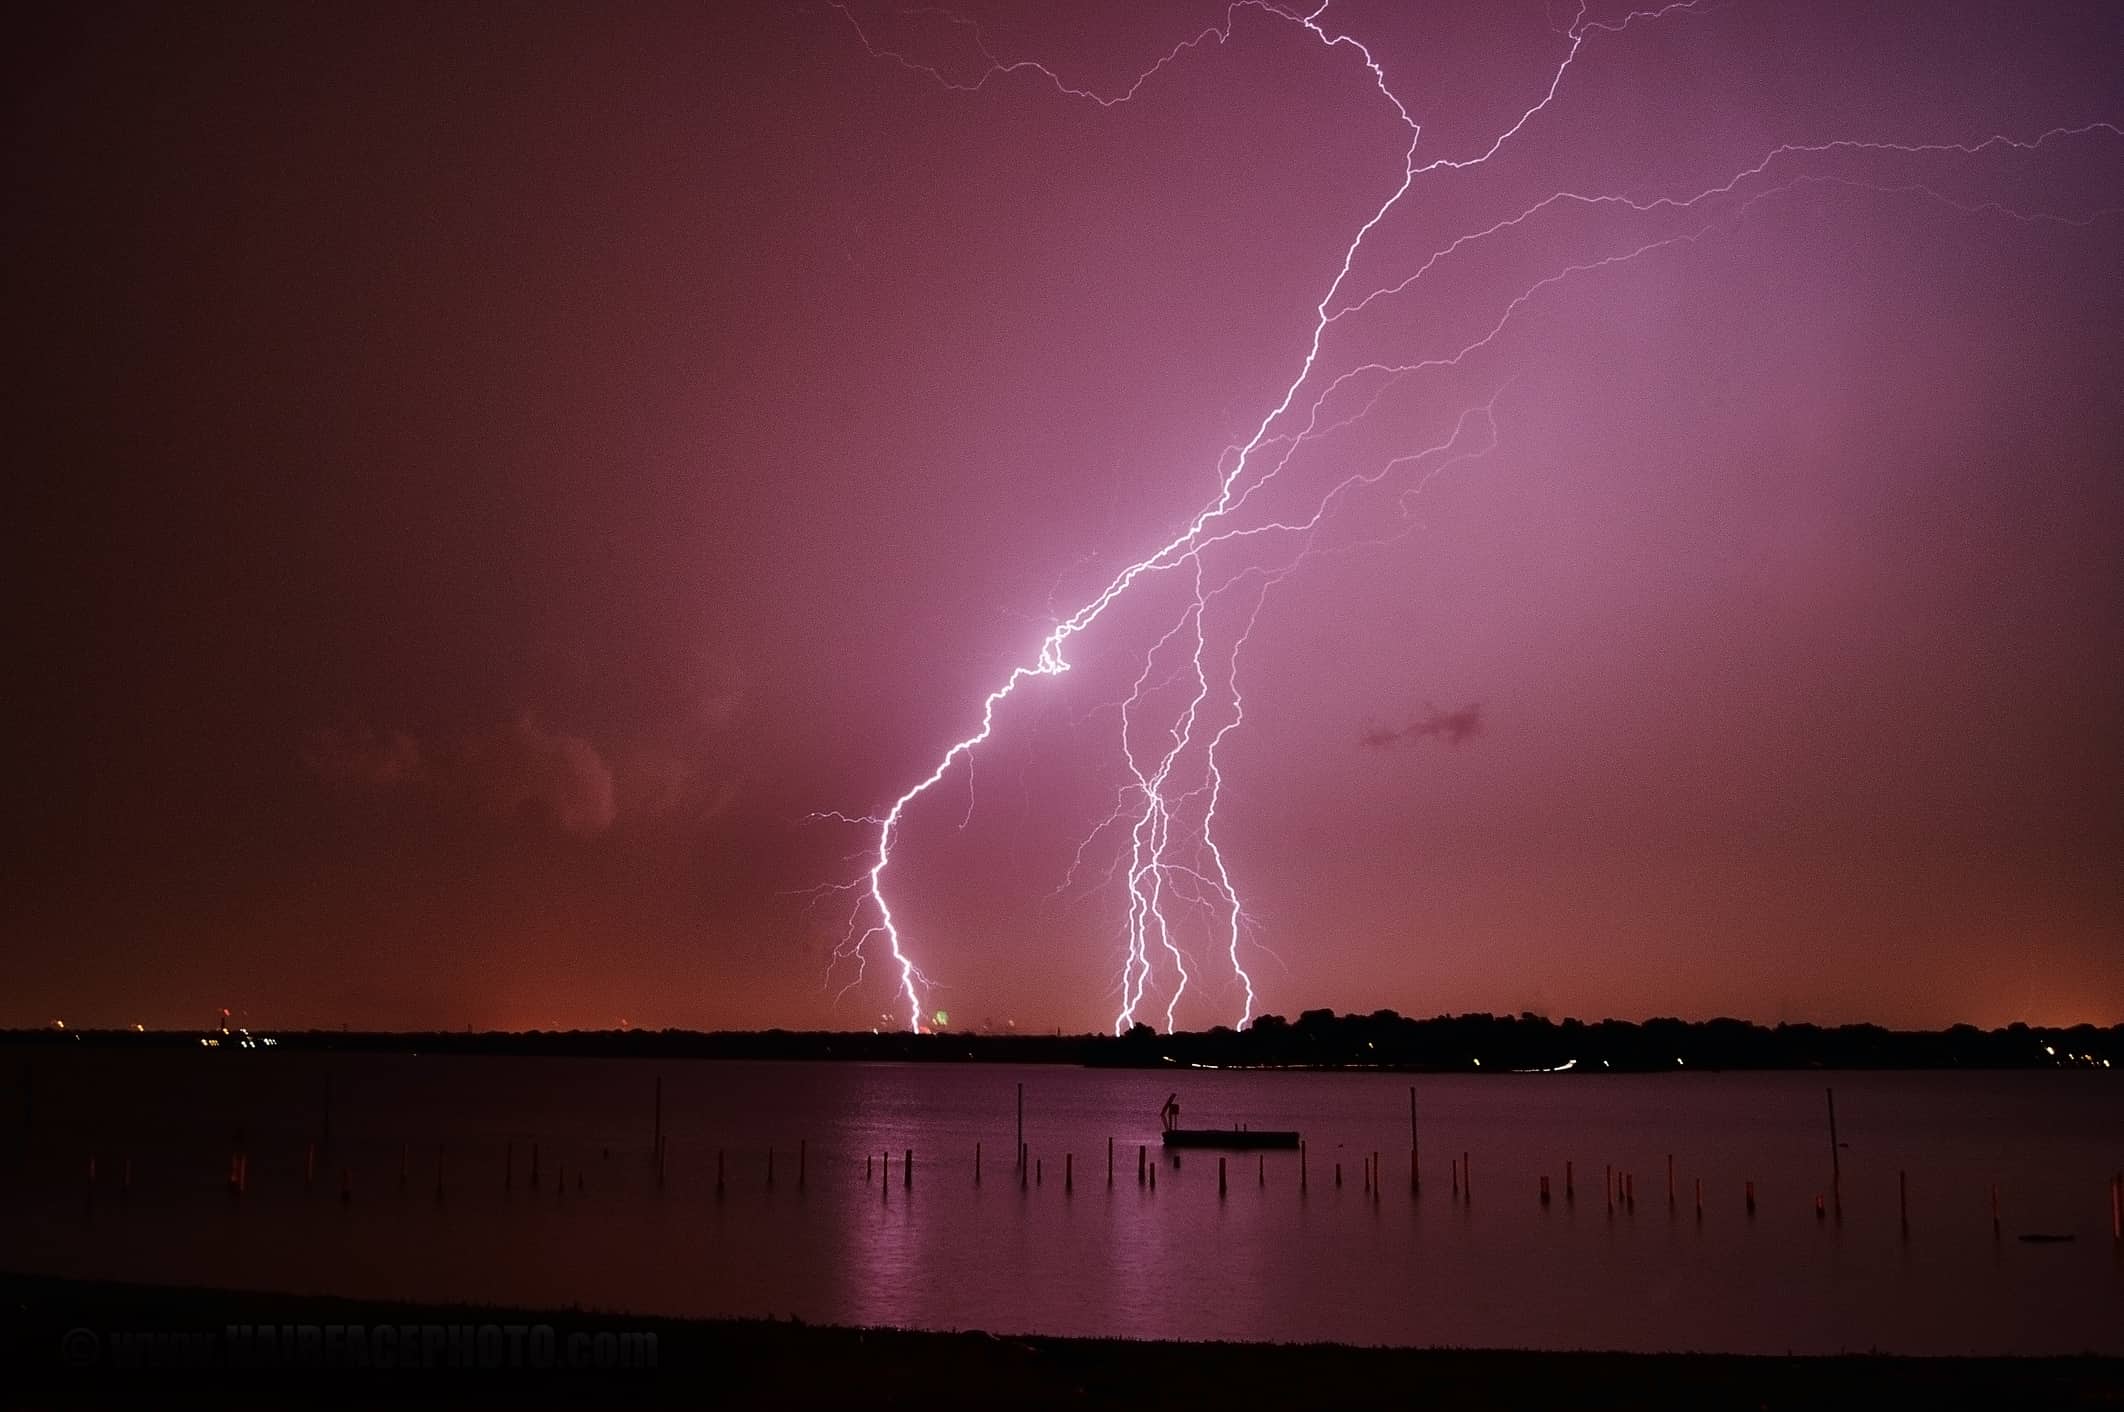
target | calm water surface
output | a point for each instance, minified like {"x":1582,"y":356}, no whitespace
{"x":1266,"y":1260}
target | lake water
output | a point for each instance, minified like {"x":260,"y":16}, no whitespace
{"x":1490,"y":1267}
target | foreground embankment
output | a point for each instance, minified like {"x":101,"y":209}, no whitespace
{"x":69,"y":1343}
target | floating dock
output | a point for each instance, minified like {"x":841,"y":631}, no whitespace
{"x":1229,"y":1137}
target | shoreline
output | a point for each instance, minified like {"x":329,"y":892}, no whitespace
{"x":67,"y":1342}
{"x":1319,"y":1042}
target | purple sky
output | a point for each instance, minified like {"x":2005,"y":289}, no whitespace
{"x":482,"y":479}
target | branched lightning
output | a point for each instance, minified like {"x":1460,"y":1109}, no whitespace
{"x":1168,"y":806}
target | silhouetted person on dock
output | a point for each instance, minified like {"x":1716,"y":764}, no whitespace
{"x":1169,"y":1115}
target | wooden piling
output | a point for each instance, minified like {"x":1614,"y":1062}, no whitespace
{"x":1415,"y":1147}
{"x":1545,"y":1190}
{"x":1109,"y":1161}
{"x":1220,"y":1178}
{"x":868,"y":1160}
{"x":1142,"y":1156}
{"x":1154,"y":1179}
{"x":1699,"y":1198}
{"x":1570,"y":1190}
{"x":1630,"y":1190}
{"x":977,"y":1164}
{"x":907,"y":1169}
{"x":1454,"y":1164}
{"x":1836,"y":1160}
{"x":1751,"y":1198}
{"x":1260,"y":1171}
{"x":1069,"y":1172}
{"x":1338,"y":1174}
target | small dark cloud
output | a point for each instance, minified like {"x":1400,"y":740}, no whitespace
{"x":1379,"y":737}
{"x":1452,"y":727}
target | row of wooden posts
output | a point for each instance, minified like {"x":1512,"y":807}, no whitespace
{"x":1619,"y":1185}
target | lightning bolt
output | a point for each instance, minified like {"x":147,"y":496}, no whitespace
{"x":1168,"y":807}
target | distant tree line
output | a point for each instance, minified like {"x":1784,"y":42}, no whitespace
{"x":1317,"y":1039}
{"x":1506,"y":1043}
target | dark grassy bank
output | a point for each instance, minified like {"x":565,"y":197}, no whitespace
{"x":74,"y":1344}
